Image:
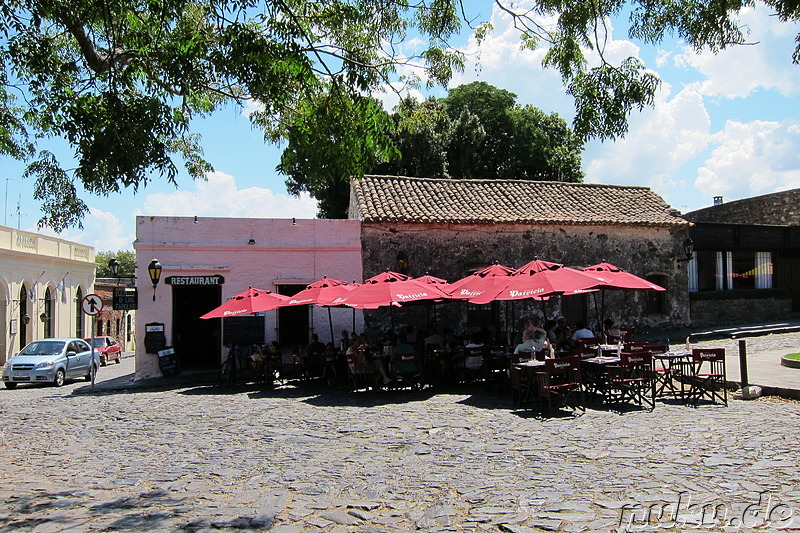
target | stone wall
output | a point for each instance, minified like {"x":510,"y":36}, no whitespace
{"x":453,"y":251}
{"x":718,"y":312}
{"x":779,"y":209}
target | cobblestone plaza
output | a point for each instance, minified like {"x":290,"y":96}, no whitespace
{"x":292,"y":459}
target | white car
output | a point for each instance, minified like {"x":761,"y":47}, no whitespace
{"x":52,"y":361}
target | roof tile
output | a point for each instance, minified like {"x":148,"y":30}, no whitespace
{"x":404,"y":199}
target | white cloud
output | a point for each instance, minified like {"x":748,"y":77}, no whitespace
{"x":101,"y":229}
{"x":660,"y":141}
{"x":219,"y":196}
{"x":742,"y":70}
{"x":751,"y":159}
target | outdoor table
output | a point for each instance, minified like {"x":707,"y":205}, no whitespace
{"x":528,"y":370}
{"x":666,"y":370}
{"x":595,"y":375}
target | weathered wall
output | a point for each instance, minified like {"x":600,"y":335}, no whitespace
{"x":707,"y":313}
{"x":780,"y":208}
{"x":451,"y":252}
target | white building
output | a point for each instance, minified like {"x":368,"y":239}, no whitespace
{"x":42,"y":282}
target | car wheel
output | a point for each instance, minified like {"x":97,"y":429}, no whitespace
{"x":102,"y":361}
{"x":59,"y":380}
{"x":10,"y":385}
{"x":92,"y":373}
{"x":119,"y":359}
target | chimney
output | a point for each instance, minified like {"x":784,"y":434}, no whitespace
{"x":718,"y":200}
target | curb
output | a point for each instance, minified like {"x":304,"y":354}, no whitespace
{"x":790,"y":363}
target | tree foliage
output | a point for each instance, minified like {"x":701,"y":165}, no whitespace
{"x":125,"y":258}
{"x":120,"y":81}
{"x":477,"y":131}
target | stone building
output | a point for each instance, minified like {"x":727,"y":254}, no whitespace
{"x":451,"y":228}
{"x":42,"y":282}
{"x":747,"y":260}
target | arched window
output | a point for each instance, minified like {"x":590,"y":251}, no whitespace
{"x":47,"y":323}
{"x":78,"y":314}
{"x":23,"y":312}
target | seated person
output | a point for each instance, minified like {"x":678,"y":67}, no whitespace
{"x":560,"y":336}
{"x":313,"y":361}
{"x":581,"y":332}
{"x":534,"y":340}
{"x":611,"y":331}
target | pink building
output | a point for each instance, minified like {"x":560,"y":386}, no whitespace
{"x":205,"y":261}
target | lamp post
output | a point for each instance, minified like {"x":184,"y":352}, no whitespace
{"x":154,"y":270}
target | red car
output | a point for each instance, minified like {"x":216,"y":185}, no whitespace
{"x":109,"y":349}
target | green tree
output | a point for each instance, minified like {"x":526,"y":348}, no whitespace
{"x":121,"y":81}
{"x":125,"y":258}
{"x":477,"y":131}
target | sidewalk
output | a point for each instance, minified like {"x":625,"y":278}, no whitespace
{"x":763,"y":365}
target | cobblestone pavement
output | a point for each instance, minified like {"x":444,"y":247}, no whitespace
{"x":206,"y":459}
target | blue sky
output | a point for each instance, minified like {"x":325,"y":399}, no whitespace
{"x":723,"y":125}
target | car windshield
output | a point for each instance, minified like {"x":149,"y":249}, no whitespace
{"x":43,"y":348}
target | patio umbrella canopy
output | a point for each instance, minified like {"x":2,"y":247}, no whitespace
{"x":389,"y":289}
{"x":248,"y":302}
{"x":322,"y":293}
{"x":539,"y":279}
{"x":489,"y":279}
{"x":614,"y":277}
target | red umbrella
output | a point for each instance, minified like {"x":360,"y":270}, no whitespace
{"x":389,"y":288}
{"x":539,"y":279}
{"x":614,"y":277}
{"x":490,"y":279}
{"x":320,"y":292}
{"x":248,"y":302}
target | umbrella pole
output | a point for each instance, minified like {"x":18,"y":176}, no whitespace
{"x":598,"y":318}
{"x":544,"y":314}
{"x":354,"y":320}
{"x":330,"y":323}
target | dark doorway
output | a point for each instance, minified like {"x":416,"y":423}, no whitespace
{"x":292,"y":321}
{"x":196,"y":341}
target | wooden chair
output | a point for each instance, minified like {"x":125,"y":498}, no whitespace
{"x":360,"y":373}
{"x":408,"y":370}
{"x":705,"y":375}
{"x":471,"y":366}
{"x":559,"y":383}
{"x":633,"y":347}
{"x":632,"y":380}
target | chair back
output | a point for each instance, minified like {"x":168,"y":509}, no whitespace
{"x":522,"y":355}
{"x":700,"y":355}
{"x":590,"y":342}
{"x":541,"y":355}
{"x":656,"y":349}
{"x":562,"y":365}
{"x":585,"y":352}
{"x":636,"y":359}
{"x":406,"y":363}
{"x":633,"y":347}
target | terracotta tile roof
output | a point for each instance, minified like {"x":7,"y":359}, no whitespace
{"x":403,"y":199}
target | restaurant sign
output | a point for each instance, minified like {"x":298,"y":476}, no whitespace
{"x":194,"y":280}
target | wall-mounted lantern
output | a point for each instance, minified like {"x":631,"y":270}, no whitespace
{"x":688,"y":250}
{"x":154,"y":270}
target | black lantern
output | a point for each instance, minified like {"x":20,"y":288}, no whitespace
{"x":26,"y":319}
{"x":43,"y":317}
{"x":688,"y":250}
{"x":154,"y":270}
{"x":113,"y":264}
